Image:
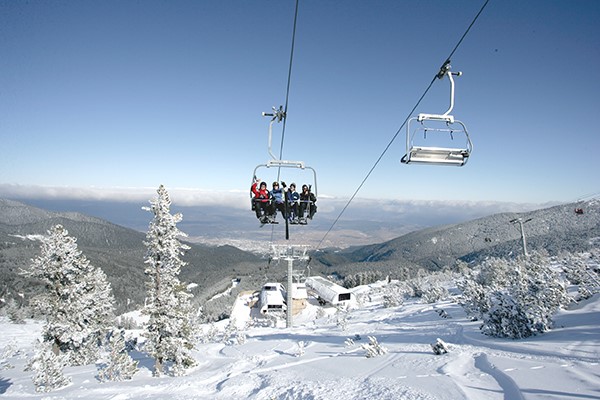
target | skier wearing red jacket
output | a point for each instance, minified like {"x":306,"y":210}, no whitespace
{"x":261,"y":202}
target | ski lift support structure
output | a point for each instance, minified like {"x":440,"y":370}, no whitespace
{"x":418,"y":154}
{"x":290,"y":254}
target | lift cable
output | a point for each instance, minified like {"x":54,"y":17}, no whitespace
{"x":287,"y":97}
{"x":289,"y":80}
{"x":400,"y":129}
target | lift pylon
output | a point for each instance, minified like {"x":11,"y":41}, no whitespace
{"x":291,"y":254}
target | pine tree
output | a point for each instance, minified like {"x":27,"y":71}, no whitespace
{"x":120,"y":365}
{"x":48,"y":368}
{"x":169,"y":330}
{"x":373,"y":348}
{"x":78,"y":303}
{"x":514,"y":298}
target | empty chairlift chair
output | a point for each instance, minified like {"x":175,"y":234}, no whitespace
{"x":433,"y":138}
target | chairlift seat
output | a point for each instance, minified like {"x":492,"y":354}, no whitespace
{"x":436,"y":156}
{"x":441,"y":126}
{"x":444,"y":125}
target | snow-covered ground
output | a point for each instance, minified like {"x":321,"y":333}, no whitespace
{"x":315,"y":360}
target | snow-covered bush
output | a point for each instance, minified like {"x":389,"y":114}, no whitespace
{"x":48,"y":368}
{"x":520,"y":303}
{"x":301,"y":347}
{"x":581,"y":270}
{"x":434,"y":293}
{"x":394,"y":293}
{"x":373,"y":348}
{"x":341,"y":318}
{"x":240,"y":338}
{"x":120,"y":365}
{"x":15,"y":312}
{"x":230,"y":333}
{"x":8,"y":351}
{"x":209,"y":335}
{"x":392,"y":300}
{"x":439,"y":347}
{"x":474,"y":295}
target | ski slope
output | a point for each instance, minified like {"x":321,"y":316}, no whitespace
{"x":314,"y":360}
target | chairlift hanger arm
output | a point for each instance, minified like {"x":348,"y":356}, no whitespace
{"x":445,"y":71}
{"x":278,"y":115}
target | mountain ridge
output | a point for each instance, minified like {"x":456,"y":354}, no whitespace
{"x":120,"y":251}
{"x":557,"y":228}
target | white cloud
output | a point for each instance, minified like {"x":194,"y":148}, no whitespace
{"x":388,"y":210}
{"x":179,"y":196}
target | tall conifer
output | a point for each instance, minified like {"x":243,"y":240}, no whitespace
{"x":169,"y":330}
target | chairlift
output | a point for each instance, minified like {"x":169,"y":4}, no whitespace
{"x":279,"y":115}
{"x":443,"y":129}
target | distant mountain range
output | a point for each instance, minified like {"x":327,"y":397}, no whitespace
{"x":554,"y":229}
{"x":120,"y":251}
{"x":365,"y":222}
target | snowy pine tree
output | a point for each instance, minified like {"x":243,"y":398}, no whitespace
{"x":120,"y":365}
{"x":48,"y":368}
{"x":14,"y":312}
{"x":373,"y":348}
{"x":579,"y":270}
{"x":78,"y":303}
{"x":439,"y":347}
{"x":169,"y":330}
{"x":514,"y":298}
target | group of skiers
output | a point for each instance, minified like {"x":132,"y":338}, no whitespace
{"x":266,"y":202}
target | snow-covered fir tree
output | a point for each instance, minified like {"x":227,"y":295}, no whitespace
{"x":517,"y":301}
{"x":48,"y":368}
{"x":580,"y":270}
{"x":78,"y":302}
{"x":374,"y":348}
{"x":120,"y":365}
{"x":439,"y":347}
{"x":14,"y":312}
{"x":168,"y":304}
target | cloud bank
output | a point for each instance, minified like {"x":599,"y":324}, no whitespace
{"x":418,"y":212}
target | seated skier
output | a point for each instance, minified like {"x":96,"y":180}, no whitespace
{"x":307,"y":202}
{"x":261,"y":202}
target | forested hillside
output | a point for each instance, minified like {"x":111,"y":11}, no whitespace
{"x":118,"y":251}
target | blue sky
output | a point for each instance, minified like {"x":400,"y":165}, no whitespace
{"x":127,"y":94}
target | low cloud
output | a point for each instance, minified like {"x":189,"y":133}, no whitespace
{"x":179,"y":196}
{"x":406,"y":212}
